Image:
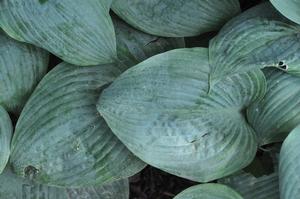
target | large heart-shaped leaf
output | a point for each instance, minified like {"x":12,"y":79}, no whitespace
{"x":176,"y":18}
{"x":289,"y":8}
{"x":209,"y":191}
{"x":289,"y":163}
{"x":79,"y":32}
{"x":278,"y":113}
{"x":134,"y":46}
{"x":167,"y":113}
{"x":21,"y":67}
{"x":179,"y":111}
{"x":5,"y":137}
{"x":60,"y":138}
{"x":15,"y":187}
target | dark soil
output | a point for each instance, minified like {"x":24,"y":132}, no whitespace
{"x":153,"y":183}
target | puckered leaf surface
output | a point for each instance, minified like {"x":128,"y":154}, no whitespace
{"x":278,"y":113}
{"x":166,"y":111}
{"x":183,"y":111}
{"x":60,"y":138}
{"x":15,"y":187}
{"x":176,"y":18}
{"x":79,"y":32}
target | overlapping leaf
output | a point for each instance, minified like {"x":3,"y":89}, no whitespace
{"x":289,"y":163}
{"x":14,"y":187}
{"x":134,"y":46}
{"x":176,"y":18}
{"x":165,"y":111}
{"x":21,"y":67}
{"x":182,"y":111}
{"x":244,"y":44}
{"x":289,"y":8}
{"x":209,"y":191}
{"x":61,"y":140}
{"x":278,"y":113}
{"x":260,"y":179}
{"x":79,"y":32}
{"x":250,"y":187}
{"x":5,"y":137}
{"x":264,"y":41}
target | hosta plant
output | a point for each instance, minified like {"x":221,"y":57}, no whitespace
{"x":122,"y":89}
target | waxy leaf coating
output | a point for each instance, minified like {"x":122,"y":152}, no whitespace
{"x":21,"y":68}
{"x":289,"y":8}
{"x":274,"y":117}
{"x":251,"y":187}
{"x":176,"y":18}
{"x":79,"y":32}
{"x":134,"y":46}
{"x":183,"y":111}
{"x":15,"y":187}
{"x":60,"y":138}
{"x":167,"y":113}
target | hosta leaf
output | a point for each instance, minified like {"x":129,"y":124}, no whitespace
{"x":5,"y":137}
{"x":79,"y":32}
{"x":165,"y":111}
{"x":21,"y":67}
{"x":255,"y":42}
{"x":289,"y":163}
{"x":250,"y":187}
{"x":176,"y":18}
{"x":61,"y":140}
{"x":15,"y":187}
{"x":263,"y":10}
{"x":209,"y":191}
{"x":278,"y":113}
{"x":134,"y":46}
{"x":289,"y":8}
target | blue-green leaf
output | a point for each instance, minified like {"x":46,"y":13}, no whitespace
{"x":278,"y":113}
{"x":166,"y":112}
{"x":209,"y":191}
{"x":15,"y":187}
{"x":289,"y":162}
{"x":134,"y":46}
{"x":79,"y":32}
{"x":289,"y":8}
{"x":176,"y":18}
{"x":21,"y":67}
{"x":60,"y":138}
{"x":250,"y":187}
{"x":6,"y":131}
